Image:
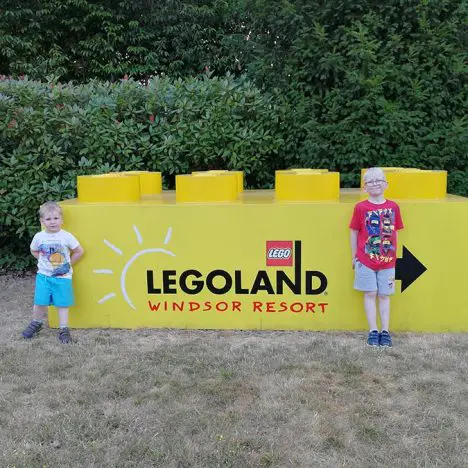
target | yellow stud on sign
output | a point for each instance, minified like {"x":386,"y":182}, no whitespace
{"x":307,"y":185}
{"x":410,"y":183}
{"x":108,"y":188}
{"x":207,"y":187}
{"x":417,"y":184}
{"x":239,"y":174}
{"x":150,"y":182}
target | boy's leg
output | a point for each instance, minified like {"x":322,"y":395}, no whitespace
{"x":386,"y":287}
{"x":64,"y":332}
{"x":41,"y":296}
{"x":365,"y":280}
{"x":39,"y":312}
{"x":62,"y":299}
{"x":385,"y":338}
{"x":63,"y":316}
{"x":34,"y":327}
{"x":371,"y":314}
{"x":384,"y":309}
{"x":371,"y":309}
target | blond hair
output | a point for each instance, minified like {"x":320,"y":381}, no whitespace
{"x":47,"y":207}
{"x":376,"y":172}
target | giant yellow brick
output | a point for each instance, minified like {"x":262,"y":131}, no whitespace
{"x":205,"y":187}
{"x":116,"y":187}
{"x":239,"y":175}
{"x":307,"y":185}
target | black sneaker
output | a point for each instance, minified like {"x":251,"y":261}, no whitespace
{"x":385,"y":340}
{"x":64,"y":335}
{"x":32,"y":329}
{"x":373,"y":338}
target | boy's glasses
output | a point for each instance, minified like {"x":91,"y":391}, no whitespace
{"x":375,"y":182}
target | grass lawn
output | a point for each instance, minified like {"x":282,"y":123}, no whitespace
{"x":187,"y":398}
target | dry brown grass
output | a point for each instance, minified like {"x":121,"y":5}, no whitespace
{"x":176,"y":398}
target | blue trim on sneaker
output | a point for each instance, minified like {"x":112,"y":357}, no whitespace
{"x":373,"y":338}
{"x":32,"y":329}
{"x":385,"y":340}
{"x":64,"y":335}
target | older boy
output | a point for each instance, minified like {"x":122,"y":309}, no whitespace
{"x":56,"y":251}
{"x":374,"y":228}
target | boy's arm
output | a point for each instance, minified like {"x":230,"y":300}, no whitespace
{"x":76,"y":254}
{"x":34,"y":247}
{"x":353,"y":240}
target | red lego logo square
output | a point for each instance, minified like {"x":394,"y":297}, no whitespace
{"x":279,"y":253}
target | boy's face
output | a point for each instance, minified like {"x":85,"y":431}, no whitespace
{"x":375,"y":186}
{"x":52,"y":221}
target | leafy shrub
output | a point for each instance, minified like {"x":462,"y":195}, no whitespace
{"x":369,"y":83}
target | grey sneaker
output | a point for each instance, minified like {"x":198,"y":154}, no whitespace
{"x":32,"y":329}
{"x":373,"y":338}
{"x":385,"y":339}
{"x":64,"y":335}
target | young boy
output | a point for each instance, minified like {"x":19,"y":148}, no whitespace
{"x":56,"y":251}
{"x":374,"y":228}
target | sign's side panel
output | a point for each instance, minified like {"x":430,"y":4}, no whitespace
{"x":436,"y":234}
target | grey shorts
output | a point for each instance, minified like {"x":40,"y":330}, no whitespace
{"x":367,"y":280}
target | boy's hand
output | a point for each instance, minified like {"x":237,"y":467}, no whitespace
{"x":76,"y":254}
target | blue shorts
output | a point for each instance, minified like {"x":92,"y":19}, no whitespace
{"x":380,"y":281}
{"x":53,"y":291}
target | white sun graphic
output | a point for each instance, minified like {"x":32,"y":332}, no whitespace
{"x":128,"y":264}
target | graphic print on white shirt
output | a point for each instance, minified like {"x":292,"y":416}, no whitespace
{"x":54,"y":252}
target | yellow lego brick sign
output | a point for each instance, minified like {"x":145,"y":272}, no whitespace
{"x":259,"y":263}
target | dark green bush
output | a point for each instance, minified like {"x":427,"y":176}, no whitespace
{"x":369,"y":83}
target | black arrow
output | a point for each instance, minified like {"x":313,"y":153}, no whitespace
{"x":408,"y":269}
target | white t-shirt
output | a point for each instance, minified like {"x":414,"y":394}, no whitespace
{"x":54,"y":252}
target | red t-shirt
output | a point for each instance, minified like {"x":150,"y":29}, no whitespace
{"x":377,"y":225}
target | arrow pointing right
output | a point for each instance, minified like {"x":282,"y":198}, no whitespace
{"x":408,"y":269}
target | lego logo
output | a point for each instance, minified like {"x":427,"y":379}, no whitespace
{"x":279,"y":253}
